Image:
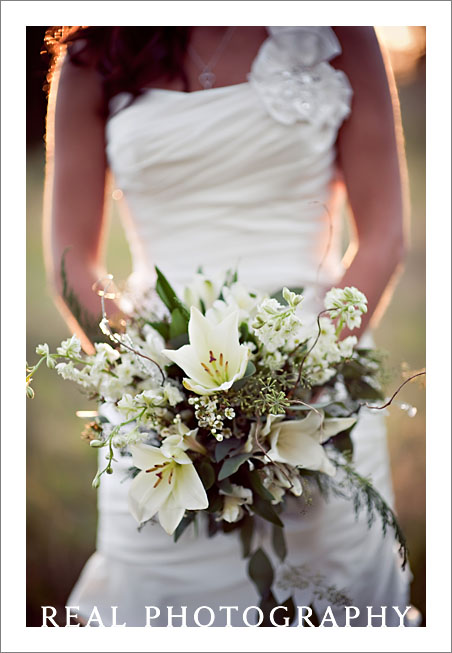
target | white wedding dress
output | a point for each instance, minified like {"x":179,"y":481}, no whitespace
{"x":241,"y":175}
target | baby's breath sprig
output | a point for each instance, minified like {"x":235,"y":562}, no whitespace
{"x":98,"y":444}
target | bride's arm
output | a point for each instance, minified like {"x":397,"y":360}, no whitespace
{"x":371,"y":157}
{"x":75,"y":187}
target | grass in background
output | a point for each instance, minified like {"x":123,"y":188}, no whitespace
{"x":61,"y":505}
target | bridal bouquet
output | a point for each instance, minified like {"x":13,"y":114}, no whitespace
{"x":228,"y":402}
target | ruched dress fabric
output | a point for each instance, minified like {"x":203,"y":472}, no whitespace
{"x":242,"y":176}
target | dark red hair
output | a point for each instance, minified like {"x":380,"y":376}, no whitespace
{"x":127,"y":58}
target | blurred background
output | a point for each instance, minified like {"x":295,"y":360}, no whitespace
{"x":61,"y":505}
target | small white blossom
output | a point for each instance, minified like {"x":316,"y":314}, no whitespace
{"x":69,"y":372}
{"x":277,"y":327}
{"x":229,"y":413}
{"x":105,"y":352}
{"x":347,"y":304}
{"x":128,"y":405}
{"x":291,"y":297}
{"x":43,"y":350}
{"x":126,"y":437}
{"x":172,"y":394}
{"x":70,"y":347}
{"x":346,"y":346}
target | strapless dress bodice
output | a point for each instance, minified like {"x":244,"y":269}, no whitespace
{"x":237,"y":176}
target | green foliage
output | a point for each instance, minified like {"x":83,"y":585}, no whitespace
{"x":364,"y":496}
{"x":246,"y":535}
{"x":163,"y":328}
{"x":223,"y":448}
{"x":263,"y":393}
{"x":279,"y":542}
{"x":231,"y":465}
{"x":265,"y":510}
{"x":169,"y":297}
{"x":258,"y":487}
{"x":207,"y":474}
{"x":260,"y":571}
{"x":190,"y":516}
{"x":362,"y":374}
{"x":179,"y":324}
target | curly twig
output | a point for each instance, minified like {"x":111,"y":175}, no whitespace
{"x":105,"y":324}
{"x":389,"y":402}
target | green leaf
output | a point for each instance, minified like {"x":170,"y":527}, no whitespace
{"x":215,"y":502}
{"x":225,"y":446}
{"x":265,"y":510}
{"x":344,"y":443}
{"x":168,"y":295}
{"x":246,"y":535}
{"x":231,"y":465}
{"x":260,"y":571}
{"x":207,"y":474}
{"x":279,"y":542}
{"x":186,"y":521}
{"x":226,"y":486}
{"x":360,"y":389}
{"x":341,"y":408}
{"x":179,"y":323}
{"x":250,"y":369}
{"x":259,"y":487}
{"x":178,"y":341}
{"x":266,"y":604}
{"x":163,"y":328}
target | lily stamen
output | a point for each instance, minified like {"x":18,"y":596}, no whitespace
{"x":206,"y":369}
{"x":157,"y":466}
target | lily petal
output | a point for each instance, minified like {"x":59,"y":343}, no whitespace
{"x":146,"y":496}
{"x":188,"y":489}
{"x":188,"y":360}
{"x":144,"y":456}
{"x":336,"y":425}
{"x":170,"y":515}
{"x":291,"y":444}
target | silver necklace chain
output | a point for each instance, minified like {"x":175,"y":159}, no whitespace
{"x":207,"y":77}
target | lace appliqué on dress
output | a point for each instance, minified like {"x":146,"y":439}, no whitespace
{"x":292,"y":76}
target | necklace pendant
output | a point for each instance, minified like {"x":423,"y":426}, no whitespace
{"x":207,"y":79}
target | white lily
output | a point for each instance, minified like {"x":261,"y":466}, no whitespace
{"x":236,"y":298}
{"x":299,"y":442}
{"x":214,"y":359}
{"x":167,"y":485}
{"x":233,"y":502}
{"x":202,"y":291}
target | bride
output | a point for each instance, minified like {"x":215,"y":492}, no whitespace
{"x":231,"y":146}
